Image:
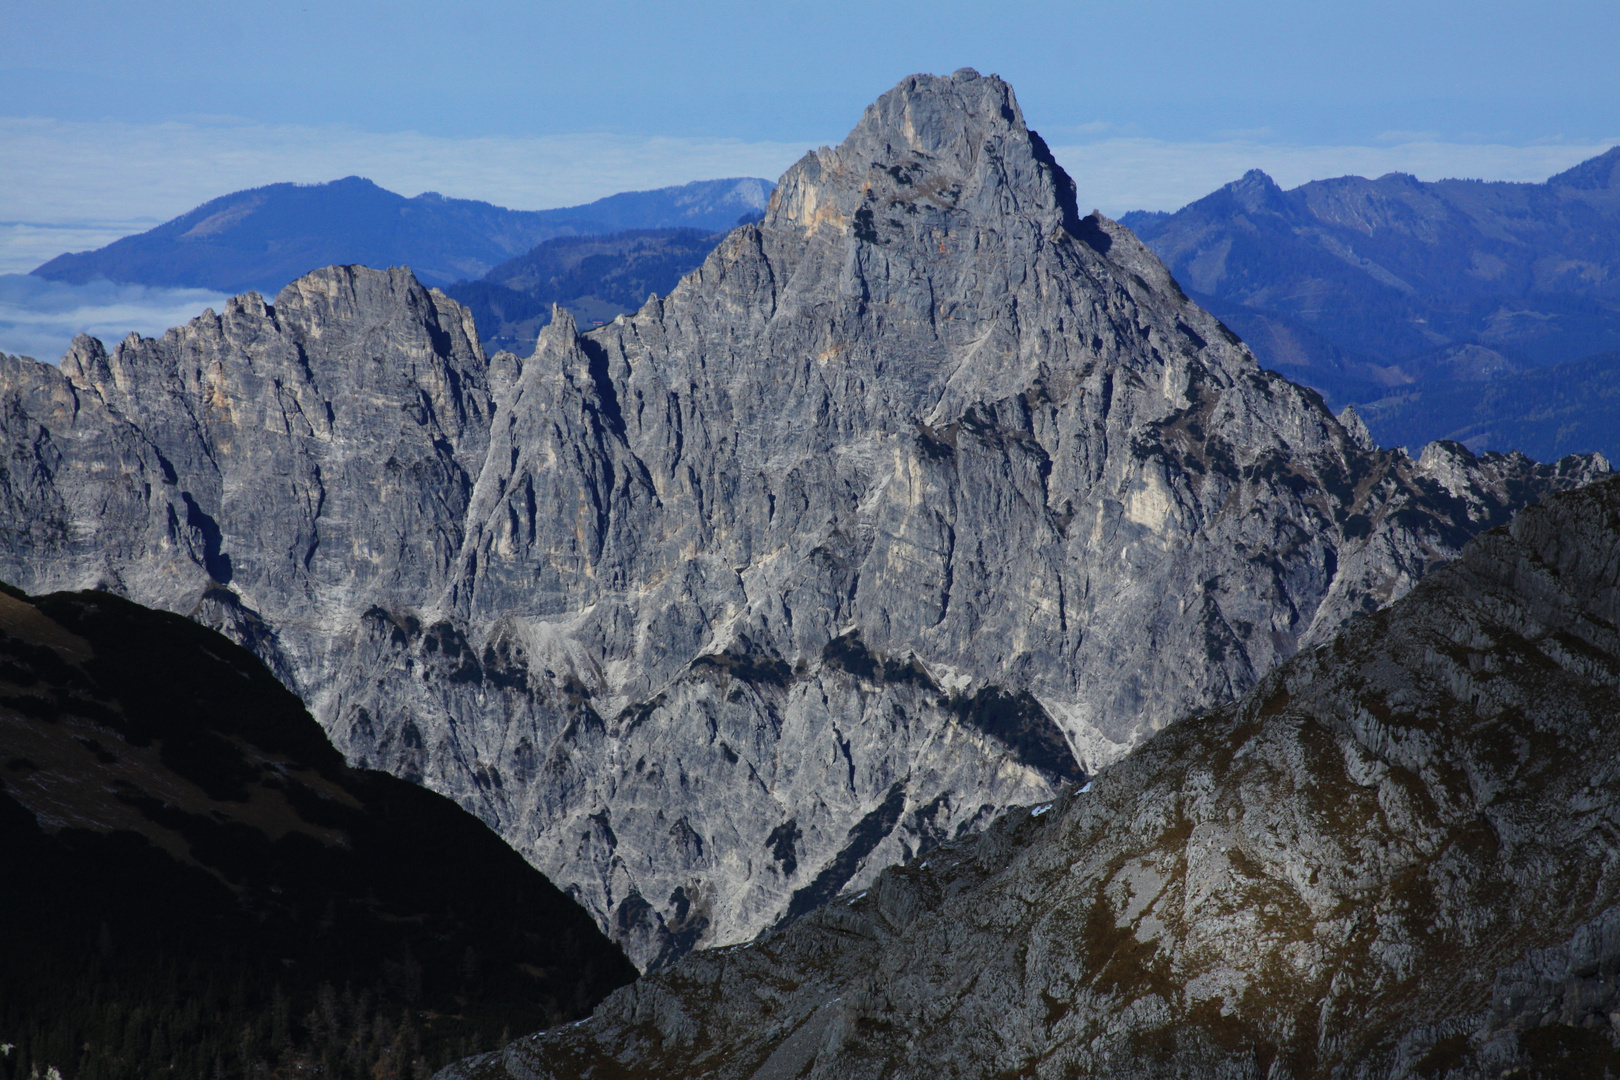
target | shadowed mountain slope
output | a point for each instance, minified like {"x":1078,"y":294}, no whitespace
{"x":1397,"y":856}
{"x":594,"y":278}
{"x":1546,"y":412}
{"x":188,"y":858}
{"x":921,"y":496}
{"x":264,"y":237}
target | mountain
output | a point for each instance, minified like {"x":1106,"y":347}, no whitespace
{"x":921,"y":497}
{"x":264,"y":237}
{"x":1394,"y":857}
{"x":1352,"y":284}
{"x":194,"y":879}
{"x":1546,"y":412}
{"x":595,"y":278}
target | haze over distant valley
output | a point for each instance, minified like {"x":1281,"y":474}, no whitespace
{"x":262,"y":238}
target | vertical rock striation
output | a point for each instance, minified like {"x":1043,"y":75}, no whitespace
{"x":1397,"y":856}
{"x":919,"y":497}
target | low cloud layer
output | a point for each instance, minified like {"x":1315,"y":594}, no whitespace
{"x":97,"y":176}
{"x":26,"y":244}
{"x":65,"y":172}
{"x":39,"y":318}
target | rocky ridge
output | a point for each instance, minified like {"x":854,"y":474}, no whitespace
{"x":1396,"y":856}
{"x":918,"y":498}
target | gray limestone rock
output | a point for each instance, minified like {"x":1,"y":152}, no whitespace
{"x":920,"y":497}
{"x":1397,"y":856}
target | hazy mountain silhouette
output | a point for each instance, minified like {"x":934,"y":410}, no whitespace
{"x":1353,"y":284}
{"x":593,"y":277}
{"x":264,"y":237}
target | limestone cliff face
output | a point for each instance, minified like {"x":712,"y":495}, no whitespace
{"x":1397,"y":856}
{"x":919,"y":497}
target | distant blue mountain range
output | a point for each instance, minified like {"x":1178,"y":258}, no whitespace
{"x":1353,"y":285}
{"x":265,"y":237}
{"x":1488,"y":313}
{"x":594,"y":277}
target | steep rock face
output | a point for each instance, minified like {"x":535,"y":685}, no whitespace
{"x":919,"y":497}
{"x":1396,"y":856}
{"x":290,"y":458}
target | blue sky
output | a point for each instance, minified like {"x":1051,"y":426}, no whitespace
{"x":115,"y":116}
{"x":1308,"y":72}
{"x":540,"y":104}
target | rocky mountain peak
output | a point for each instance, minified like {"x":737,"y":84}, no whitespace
{"x":917,"y":498}
{"x":950,"y":143}
{"x":1356,"y":428}
{"x":1257,"y":192}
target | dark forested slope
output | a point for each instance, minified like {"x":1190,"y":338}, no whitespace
{"x":195,"y":881}
{"x":1546,"y":412}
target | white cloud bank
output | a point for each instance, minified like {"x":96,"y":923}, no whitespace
{"x":26,"y":244}
{"x":111,"y":174}
{"x":39,"y":318}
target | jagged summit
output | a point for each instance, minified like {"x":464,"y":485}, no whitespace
{"x":906,"y":255}
{"x":1255,"y":192}
{"x":959,"y":143}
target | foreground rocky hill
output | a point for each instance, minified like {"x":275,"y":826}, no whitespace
{"x":918,"y":498}
{"x":195,"y":883}
{"x":1396,"y":856}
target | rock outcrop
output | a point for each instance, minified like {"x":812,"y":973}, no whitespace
{"x":920,"y":497}
{"x":1396,"y":856}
